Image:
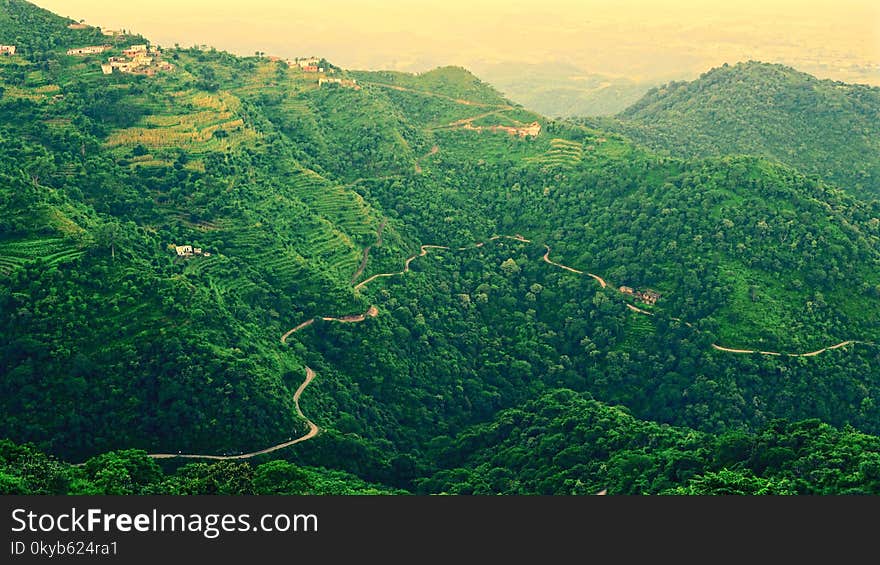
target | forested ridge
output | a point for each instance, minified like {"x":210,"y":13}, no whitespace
{"x":821,"y":127}
{"x":485,"y":369}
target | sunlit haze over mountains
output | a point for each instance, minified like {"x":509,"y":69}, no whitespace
{"x":635,"y":40}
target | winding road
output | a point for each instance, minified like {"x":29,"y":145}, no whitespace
{"x":366,"y":258}
{"x":546,"y":258}
{"x":470,"y":120}
{"x":810,"y":354}
{"x":423,"y":250}
{"x":373,"y":312}
{"x":310,"y":376}
{"x":313,"y":431}
{"x":639,"y":310}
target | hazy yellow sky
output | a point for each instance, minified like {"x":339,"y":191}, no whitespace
{"x":654,"y":40}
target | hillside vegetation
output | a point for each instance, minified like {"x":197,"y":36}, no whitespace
{"x":821,"y":127}
{"x":312,"y":204}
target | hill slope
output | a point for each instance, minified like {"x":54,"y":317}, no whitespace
{"x":585,"y":447}
{"x":490,"y":243}
{"x":102,"y":176}
{"x":821,"y":127}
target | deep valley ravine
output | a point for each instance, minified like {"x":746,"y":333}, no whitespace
{"x":373,"y":311}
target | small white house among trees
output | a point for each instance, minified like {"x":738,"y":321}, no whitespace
{"x":189,"y":251}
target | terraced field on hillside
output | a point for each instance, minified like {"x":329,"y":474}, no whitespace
{"x":282,"y":260}
{"x":638,"y":327}
{"x":48,"y":252}
{"x":345,"y":208}
{"x":196,"y":121}
{"x":562,"y":153}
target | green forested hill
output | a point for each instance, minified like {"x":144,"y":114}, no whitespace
{"x":821,"y":127}
{"x":563,"y":443}
{"x":26,"y":470}
{"x":102,"y":174}
{"x":113,"y":342}
{"x":559,"y":444}
{"x":455,"y":84}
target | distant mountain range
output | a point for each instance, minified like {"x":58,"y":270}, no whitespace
{"x":562,"y":90}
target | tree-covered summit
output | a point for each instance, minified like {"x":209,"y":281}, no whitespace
{"x":821,"y":127}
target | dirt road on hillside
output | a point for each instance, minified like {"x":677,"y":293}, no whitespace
{"x":373,"y":311}
{"x":546,"y":258}
{"x":366,"y":257}
{"x":313,"y":431}
{"x":777,"y":354}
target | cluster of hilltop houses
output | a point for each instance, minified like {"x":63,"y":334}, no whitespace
{"x":342,"y":82}
{"x":308,"y":64}
{"x":312,"y":65}
{"x":7,"y":49}
{"x":90,"y":50}
{"x":137,"y":59}
{"x":647,"y":296}
{"x":305,"y":64}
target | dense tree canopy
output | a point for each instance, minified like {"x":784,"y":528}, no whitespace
{"x":492,"y":365}
{"x":822,"y":127}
